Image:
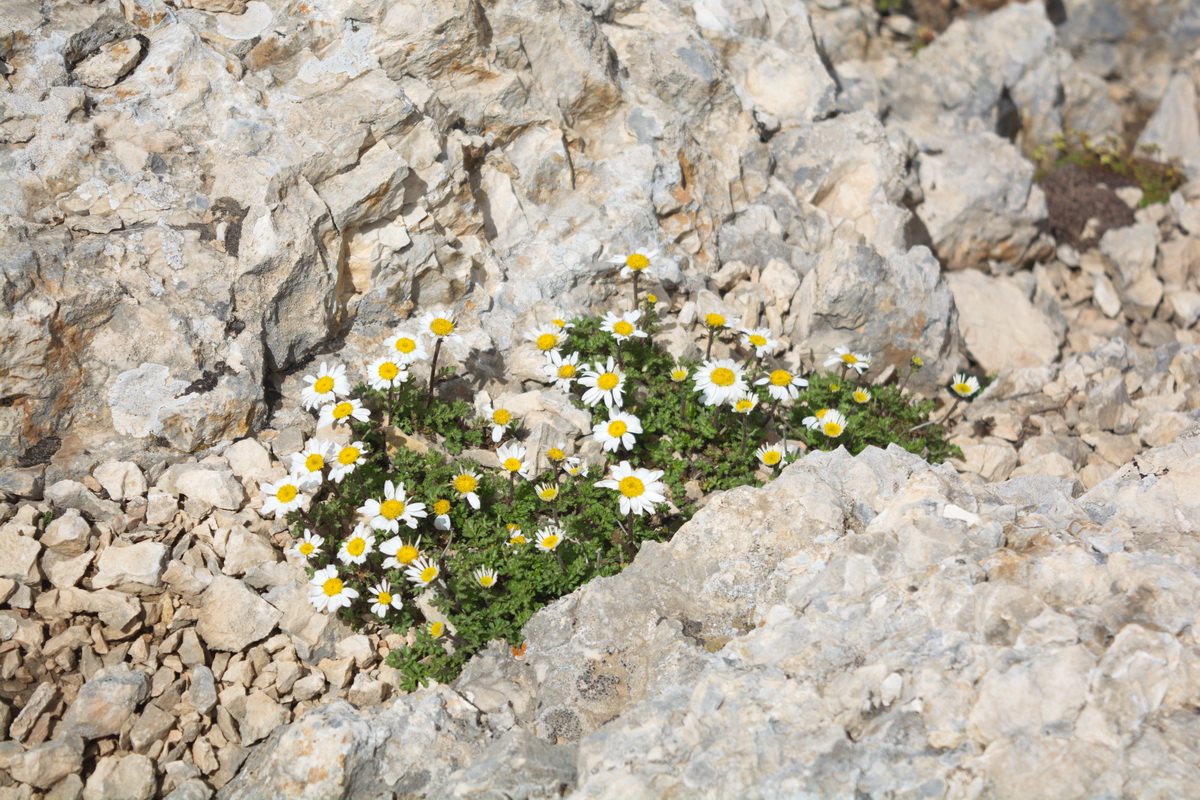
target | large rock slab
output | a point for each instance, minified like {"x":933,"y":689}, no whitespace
{"x":233,"y":616}
{"x":106,"y":702}
{"x":1001,"y":327}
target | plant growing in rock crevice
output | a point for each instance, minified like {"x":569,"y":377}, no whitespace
{"x":399,"y":526}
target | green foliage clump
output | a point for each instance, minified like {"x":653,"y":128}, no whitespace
{"x":547,"y":530}
{"x":1157,"y":179}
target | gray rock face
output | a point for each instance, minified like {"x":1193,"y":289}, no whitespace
{"x":233,"y":616}
{"x":137,"y":568}
{"x":796,"y":640}
{"x":106,"y":702}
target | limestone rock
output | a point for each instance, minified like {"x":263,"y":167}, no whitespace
{"x":245,"y":551}
{"x":261,"y":716}
{"x":123,"y":480}
{"x":248,"y":459}
{"x":68,"y":534}
{"x":130,"y":777}
{"x":212,"y":484}
{"x":106,"y":702}
{"x":233,"y":616}
{"x":18,"y":556}
{"x":1001,"y":327}
{"x":136,"y":568}
{"x":43,"y":765}
{"x":109,"y":64}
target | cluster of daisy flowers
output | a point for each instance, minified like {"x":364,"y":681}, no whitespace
{"x":396,"y":546}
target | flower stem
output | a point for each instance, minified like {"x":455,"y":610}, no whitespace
{"x":636,"y":275}
{"x":437,"y":349}
{"x":745,"y":417}
{"x":712,"y":332}
{"x":512,"y":487}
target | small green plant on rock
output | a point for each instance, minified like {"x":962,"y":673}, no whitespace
{"x":1129,"y":167}
{"x":400,"y":525}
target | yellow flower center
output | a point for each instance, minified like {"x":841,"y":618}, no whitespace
{"x":637,"y":261}
{"x":307,"y":548}
{"x":441,"y":327}
{"x":547,"y":341}
{"x":632,"y":487}
{"x":384,"y":599}
{"x":348,"y":456}
{"x":554,"y":454}
{"x":607,"y":381}
{"x":332,"y":587}
{"x":833,"y":387}
{"x":323,"y":385}
{"x":550,"y":542}
{"x":832,"y":429}
{"x":390,"y":509}
{"x":562,"y":323}
{"x":549,"y":493}
{"x":758,"y":341}
{"x":962,"y":388}
{"x":315,"y":462}
{"x":622,"y":328}
{"x":566,"y":371}
{"x":617,"y":428}
{"x":512,"y":464}
{"x":679,"y":375}
{"x":744,"y":406}
{"x":771,"y":457}
{"x":723,"y":376}
{"x":428,"y":574}
{"x":518,"y":539}
{"x":407,"y":554}
{"x":781,"y":377}
{"x":820,"y":413}
{"x":513,"y":527}
{"x":286,"y":493}
{"x":465,"y":484}
{"x":850,"y":358}
{"x":861,"y":396}
{"x":388,"y":371}
{"x":714,"y":321}
{"x":343,"y":410}
{"x":436,"y":629}
{"x":651,"y":299}
{"x":441,"y":507}
{"x":356,"y":546}
{"x":405,"y":344}
{"x":501,"y":417}
{"x":486,"y":580}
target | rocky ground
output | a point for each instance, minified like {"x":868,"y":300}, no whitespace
{"x":185,"y":231}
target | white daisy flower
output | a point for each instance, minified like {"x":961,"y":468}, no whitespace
{"x":632,"y":263}
{"x":326,"y":386}
{"x":640,"y":488}
{"x":400,"y":554}
{"x":861,"y":396}
{"x":387,"y":514}
{"x":832,"y":424}
{"x":560,"y":321}
{"x":286,"y":494}
{"x":311,"y":461}
{"x":843,"y":357}
{"x":498,"y":418}
{"x":557,"y":452}
{"x":813,"y":421}
{"x":720,"y":380}
{"x":623,"y":327}
{"x":512,"y":459}
{"x":782,"y":385}
{"x":618,"y":431}
{"x":719,"y":321}
{"x":770,"y":456}
{"x":563,"y":370}
{"x":360,"y":545}
{"x":465,"y":483}
{"x":408,"y":347}
{"x":576,"y":467}
{"x":744,"y":403}
{"x":547,"y":338}
{"x":515,"y":537}
{"x":387,"y":373}
{"x":679,"y":375}
{"x":965,"y":385}
{"x":547,"y":491}
{"x":549,"y":538}
{"x":343,"y":411}
{"x":760,"y":339}
{"x":346,"y":459}
{"x":307,"y":545}
{"x":605,"y":382}
{"x":384,"y":599}
{"x":485,"y":577}
{"x":422,"y":572}
{"x":441,"y":508}
{"x":436,"y":629}
{"x":327,"y":592}
{"x":440,"y":324}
